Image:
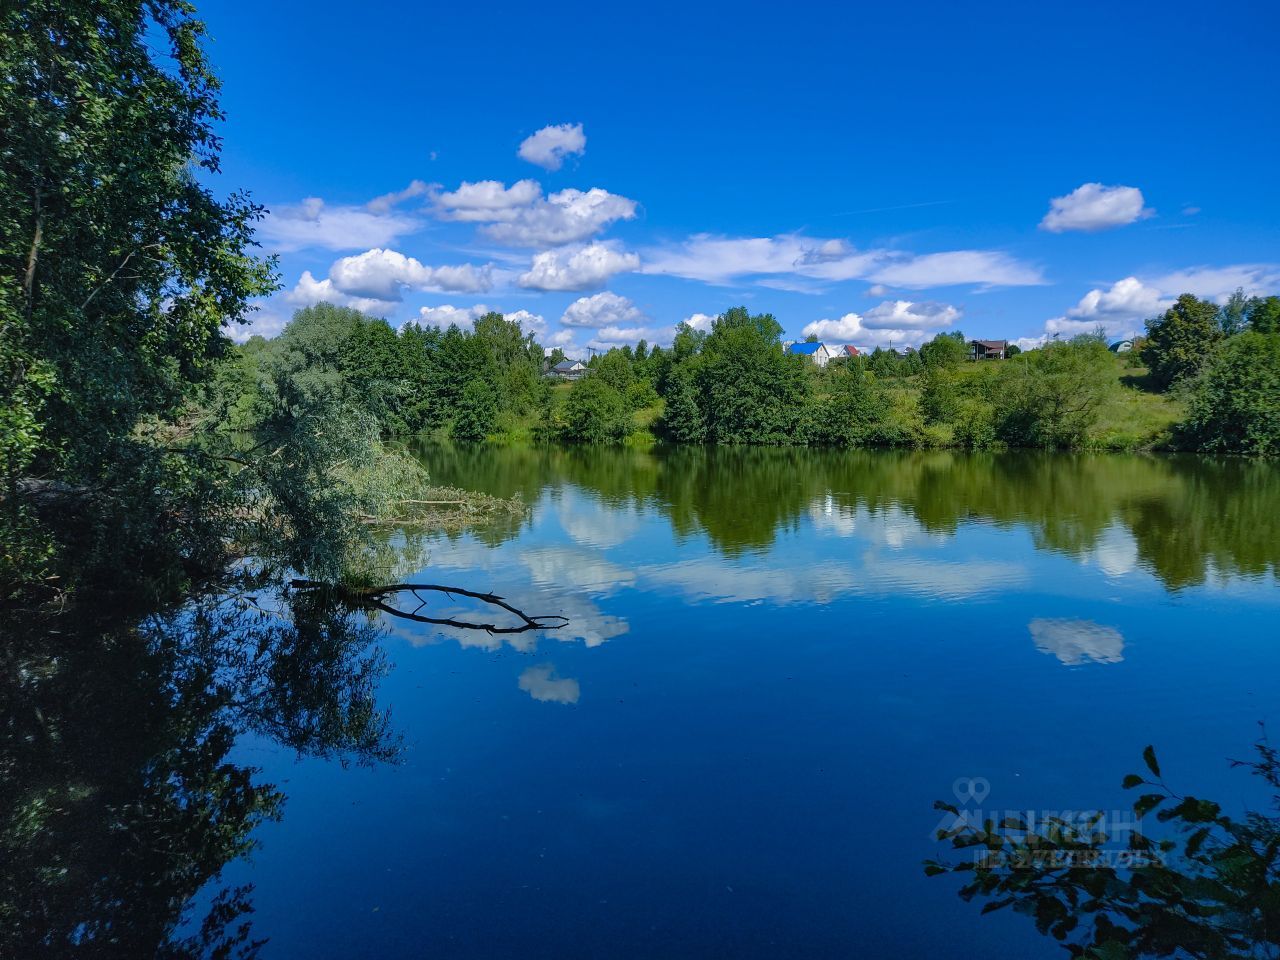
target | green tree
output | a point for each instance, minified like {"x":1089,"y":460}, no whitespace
{"x":477,"y":410}
{"x":1264,"y":314}
{"x":944,"y":351}
{"x":855,"y":411}
{"x":1235,"y":402}
{"x":595,"y":412}
{"x":1181,"y":340}
{"x":682,"y":414}
{"x":750,"y":390}
{"x":119,"y":268}
{"x":1233,"y":316}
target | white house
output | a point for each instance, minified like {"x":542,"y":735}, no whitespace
{"x":815,"y":351}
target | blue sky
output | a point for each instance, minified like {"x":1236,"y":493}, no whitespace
{"x":874,"y":174}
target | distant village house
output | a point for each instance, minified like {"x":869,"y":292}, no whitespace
{"x":988,"y":349}
{"x":569,"y":369}
{"x":815,"y":351}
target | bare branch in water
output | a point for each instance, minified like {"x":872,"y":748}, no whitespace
{"x":378,"y":598}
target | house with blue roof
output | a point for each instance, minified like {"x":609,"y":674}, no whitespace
{"x":815,"y":351}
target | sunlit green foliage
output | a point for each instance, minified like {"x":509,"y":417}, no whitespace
{"x":1235,"y":402}
{"x":1181,"y":340}
{"x":118,"y":270}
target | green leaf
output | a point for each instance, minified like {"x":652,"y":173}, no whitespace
{"x":1149,"y":755}
{"x":1133,"y":780}
{"x":1148,"y":802}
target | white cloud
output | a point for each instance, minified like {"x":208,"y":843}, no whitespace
{"x":387,"y":201}
{"x":701,"y":321}
{"x":1075,"y":642}
{"x":1092,"y":207}
{"x":542,"y":684}
{"x":384,"y":274}
{"x":549,"y":146}
{"x":601,"y":310}
{"x":578,"y":268}
{"x":262,"y":323}
{"x":607,"y":337}
{"x":565,"y":217}
{"x":1118,"y":309}
{"x":1218,"y":283}
{"x":520,"y":216}
{"x":446,"y":314}
{"x":724,"y":260}
{"x":1121,"y":308}
{"x":312,"y":224}
{"x":309,"y":291}
{"x":900,"y":323}
{"x":987,"y":268}
{"x":486,"y":201}
{"x":906,"y":314}
{"x":561,"y":338}
{"x":529,"y":322}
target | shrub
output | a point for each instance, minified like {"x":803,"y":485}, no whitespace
{"x":1050,"y":397}
{"x":595,"y":412}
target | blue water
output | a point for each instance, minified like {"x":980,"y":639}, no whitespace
{"x":734,"y":747}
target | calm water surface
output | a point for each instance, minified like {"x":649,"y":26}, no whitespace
{"x":776,"y":662}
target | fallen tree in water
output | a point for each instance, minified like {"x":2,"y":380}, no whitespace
{"x":378,"y":597}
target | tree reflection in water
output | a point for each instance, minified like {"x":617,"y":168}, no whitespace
{"x":1190,"y":518}
{"x":119,"y":798}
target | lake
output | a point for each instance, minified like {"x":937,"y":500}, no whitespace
{"x":775,"y":662}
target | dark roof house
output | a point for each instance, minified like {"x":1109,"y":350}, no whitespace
{"x":988,"y":349}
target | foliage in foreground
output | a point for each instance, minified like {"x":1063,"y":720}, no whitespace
{"x":1207,"y":890}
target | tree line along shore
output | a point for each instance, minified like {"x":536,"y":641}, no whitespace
{"x":1206,"y":378}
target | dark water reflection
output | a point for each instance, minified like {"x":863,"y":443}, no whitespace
{"x":777,"y":660}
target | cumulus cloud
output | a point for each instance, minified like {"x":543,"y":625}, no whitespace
{"x":701,"y":321}
{"x":312,"y":224}
{"x":1092,"y":206}
{"x":905,"y":314}
{"x":569,"y":216}
{"x":446,"y":314}
{"x":486,"y":201}
{"x":724,"y":260}
{"x":520,"y":216}
{"x":542,"y":684}
{"x":900,"y":323}
{"x":577,"y":268}
{"x":1118,"y":309}
{"x":384,"y":275}
{"x":561,"y":338}
{"x":549,"y":146}
{"x":1121,"y":308}
{"x":602,"y":310}
{"x":387,"y":201}
{"x":309,"y":291}
{"x":607,"y":337}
